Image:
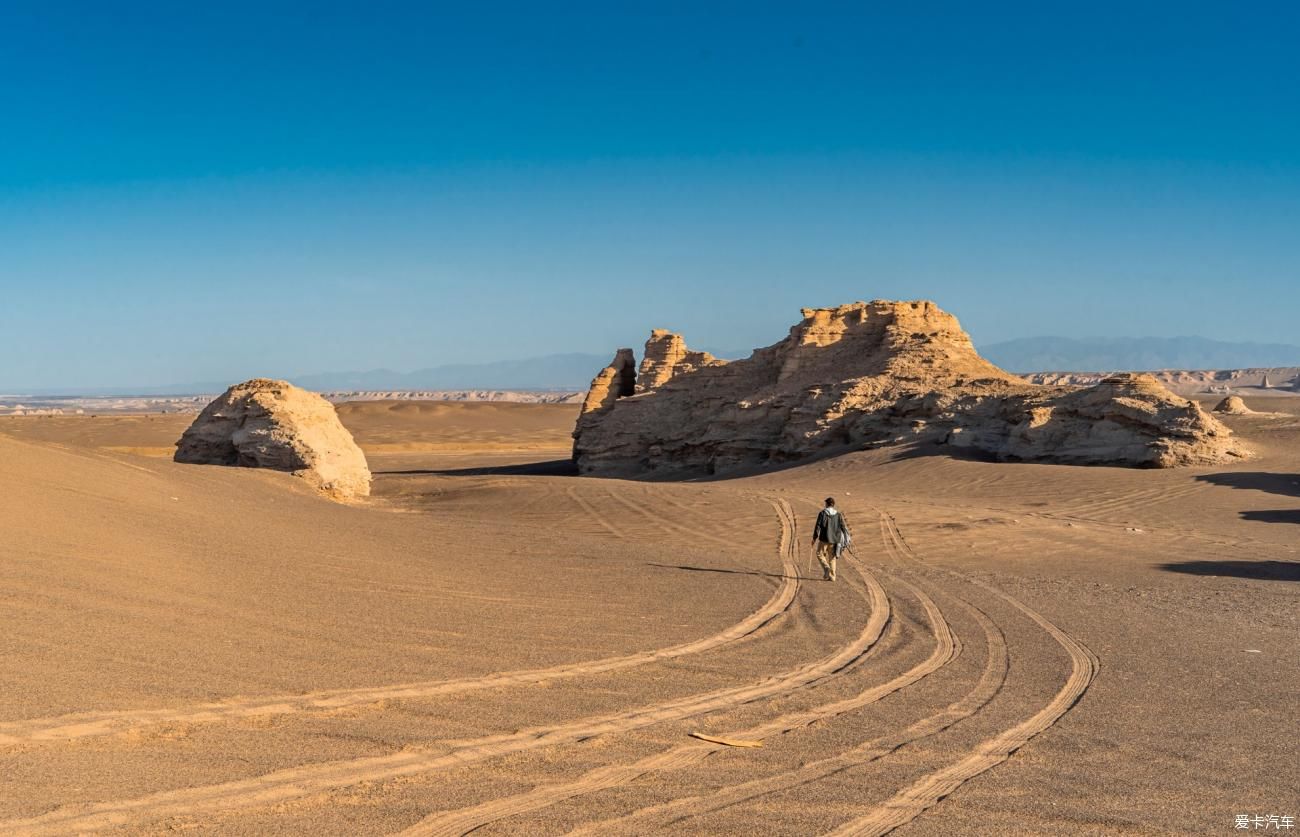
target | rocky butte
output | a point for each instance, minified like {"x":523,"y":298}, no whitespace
{"x":273,"y":424}
{"x":870,"y":374}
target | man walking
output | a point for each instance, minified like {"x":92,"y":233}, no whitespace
{"x":828,"y":534}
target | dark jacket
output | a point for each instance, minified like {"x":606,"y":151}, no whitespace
{"x":829,"y":526}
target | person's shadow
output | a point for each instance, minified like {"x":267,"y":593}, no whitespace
{"x":689,"y":568}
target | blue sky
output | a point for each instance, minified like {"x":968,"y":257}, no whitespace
{"x":200,"y":192}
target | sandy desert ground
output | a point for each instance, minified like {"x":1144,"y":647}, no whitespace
{"x":493,"y":643}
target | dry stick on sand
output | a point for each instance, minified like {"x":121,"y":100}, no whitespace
{"x":729,"y":742}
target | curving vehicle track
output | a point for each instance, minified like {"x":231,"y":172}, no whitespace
{"x":881,"y":818}
{"x":298,"y":782}
{"x":831,"y":689}
{"x":85,"y":725}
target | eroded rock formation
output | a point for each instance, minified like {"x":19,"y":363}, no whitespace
{"x":611,"y":383}
{"x":273,"y":424}
{"x":1233,"y":406}
{"x":1127,"y":419}
{"x":666,"y":356}
{"x":870,"y":374}
{"x":618,"y":380}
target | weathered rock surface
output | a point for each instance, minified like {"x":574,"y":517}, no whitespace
{"x":870,"y":374}
{"x":618,"y":380}
{"x":1233,"y":406}
{"x":1127,"y":419}
{"x":611,"y":383}
{"x":666,"y":356}
{"x":273,"y":424}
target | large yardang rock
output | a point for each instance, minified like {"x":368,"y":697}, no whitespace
{"x":273,"y":424}
{"x":871,"y":374}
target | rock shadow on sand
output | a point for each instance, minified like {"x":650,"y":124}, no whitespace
{"x":1288,"y":485}
{"x":549,"y":468}
{"x":1258,"y":570}
{"x":1273,"y":516}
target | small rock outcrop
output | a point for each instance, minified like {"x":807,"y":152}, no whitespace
{"x":872,"y":374}
{"x":1233,"y":406}
{"x":1126,"y":419}
{"x":618,"y":380}
{"x":273,"y":424}
{"x":611,"y":383}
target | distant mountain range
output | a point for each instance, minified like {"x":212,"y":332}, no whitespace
{"x":573,"y":372}
{"x":1135,"y":354}
{"x":565,"y":372}
{"x":552,"y":372}
{"x":558,"y":372}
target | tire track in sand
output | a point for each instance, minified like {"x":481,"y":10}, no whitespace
{"x":595,"y":515}
{"x":451,"y":823}
{"x":990,"y":683}
{"x":923,"y":794}
{"x":730,"y":527}
{"x":664,"y":523}
{"x":91,"y":724}
{"x":298,"y":782}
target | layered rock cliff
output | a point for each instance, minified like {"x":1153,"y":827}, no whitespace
{"x":870,"y":374}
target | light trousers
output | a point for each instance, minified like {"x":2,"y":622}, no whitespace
{"x":826,"y":557}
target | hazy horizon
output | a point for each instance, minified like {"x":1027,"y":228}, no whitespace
{"x":187,"y":193}
{"x":571,"y":371}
